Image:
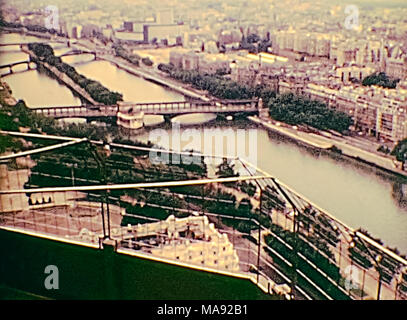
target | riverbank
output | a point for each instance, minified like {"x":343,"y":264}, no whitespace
{"x":307,"y":139}
{"x":304,"y":138}
{"x":341,"y":145}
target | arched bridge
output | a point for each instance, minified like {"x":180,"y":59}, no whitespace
{"x":163,"y":108}
{"x":28,"y":62}
{"x":64,"y":43}
{"x":11,"y":65}
{"x":78,"y":52}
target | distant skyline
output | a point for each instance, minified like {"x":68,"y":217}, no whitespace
{"x":363,"y":3}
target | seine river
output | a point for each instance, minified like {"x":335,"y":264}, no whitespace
{"x":357,"y":194}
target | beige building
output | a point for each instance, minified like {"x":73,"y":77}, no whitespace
{"x":172,"y":33}
{"x":377,"y":111}
{"x":313,"y":44}
{"x":346,"y":74}
{"x":191,"y":240}
{"x":397,"y":68}
{"x":202,"y":62}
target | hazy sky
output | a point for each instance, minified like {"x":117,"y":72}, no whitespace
{"x":373,"y":3}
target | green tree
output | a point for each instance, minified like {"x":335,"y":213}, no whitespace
{"x":147,"y":61}
{"x":380,"y":79}
{"x":400,"y":151}
{"x":226,"y":169}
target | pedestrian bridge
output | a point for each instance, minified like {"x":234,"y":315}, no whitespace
{"x":150,"y":108}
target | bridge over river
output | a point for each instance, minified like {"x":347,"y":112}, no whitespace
{"x":30,"y":63}
{"x":151,"y":108}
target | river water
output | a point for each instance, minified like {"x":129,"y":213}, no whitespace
{"x":34,"y":88}
{"x":357,"y":194}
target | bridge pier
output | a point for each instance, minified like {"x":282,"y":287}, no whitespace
{"x":263,"y":111}
{"x":130,"y":120}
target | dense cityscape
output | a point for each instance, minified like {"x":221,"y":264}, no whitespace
{"x":316,"y":91}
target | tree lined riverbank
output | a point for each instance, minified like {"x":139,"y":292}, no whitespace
{"x":287,"y":108}
{"x":44,"y":54}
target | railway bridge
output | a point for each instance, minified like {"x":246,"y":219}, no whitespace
{"x":153,"y":108}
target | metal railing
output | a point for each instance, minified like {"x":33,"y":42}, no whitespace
{"x":82,"y":193}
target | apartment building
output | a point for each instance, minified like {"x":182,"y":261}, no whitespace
{"x":375,"y":110}
{"x":204,"y":63}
